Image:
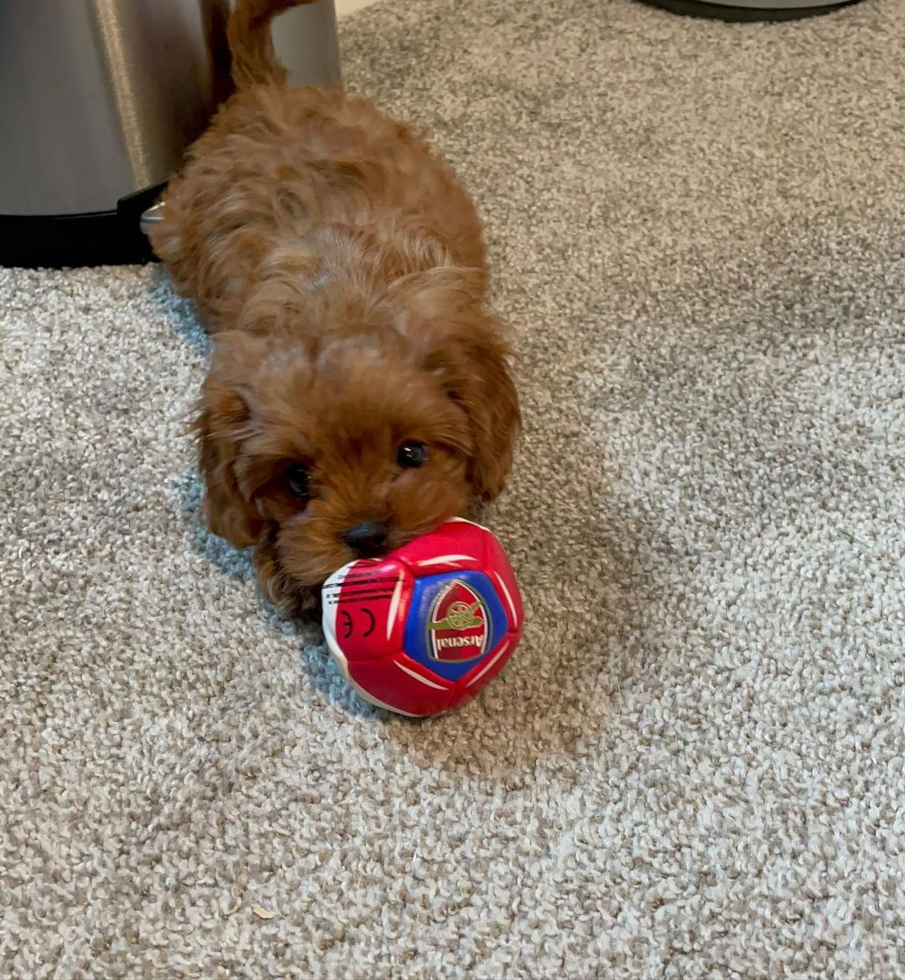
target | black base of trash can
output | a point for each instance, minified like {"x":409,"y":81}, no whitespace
{"x":100,"y":238}
{"x":753,"y":10}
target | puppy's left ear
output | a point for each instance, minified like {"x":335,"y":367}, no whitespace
{"x":445,"y":310}
{"x":483,"y":387}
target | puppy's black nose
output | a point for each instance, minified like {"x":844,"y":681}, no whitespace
{"x":368,"y":540}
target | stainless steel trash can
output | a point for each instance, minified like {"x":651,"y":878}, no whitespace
{"x":99,"y":100}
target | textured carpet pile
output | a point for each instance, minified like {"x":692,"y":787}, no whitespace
{"x":694,"y":765}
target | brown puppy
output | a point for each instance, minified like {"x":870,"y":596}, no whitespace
{"x":359,"y":392}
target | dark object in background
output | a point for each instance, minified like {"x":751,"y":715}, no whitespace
{"x":100,"y":100}
{"x":751,"y":10}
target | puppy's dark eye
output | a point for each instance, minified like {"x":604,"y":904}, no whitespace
{"x":411,"y":455}
{"x":296,"y":477}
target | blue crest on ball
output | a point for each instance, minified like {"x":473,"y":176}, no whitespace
{"x":455,"y":620}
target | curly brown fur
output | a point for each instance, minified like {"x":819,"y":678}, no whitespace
{"x":340,"y":267}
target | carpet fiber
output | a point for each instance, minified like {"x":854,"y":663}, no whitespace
{"x":694,"y":765}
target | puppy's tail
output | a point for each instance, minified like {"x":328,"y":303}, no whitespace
{"x":254,"y":61}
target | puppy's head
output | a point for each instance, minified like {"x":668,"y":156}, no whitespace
{"x":327,"y":446}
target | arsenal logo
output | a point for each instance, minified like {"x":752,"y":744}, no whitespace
{"x":457,"y":624}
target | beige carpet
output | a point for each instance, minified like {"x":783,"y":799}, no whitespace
{"x":694,"y":766}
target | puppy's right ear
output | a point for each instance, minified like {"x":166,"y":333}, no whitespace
{"x":221,"y":427}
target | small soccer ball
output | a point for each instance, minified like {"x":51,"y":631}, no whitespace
{"x":424,"y":629}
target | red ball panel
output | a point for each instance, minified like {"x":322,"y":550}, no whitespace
{"x":402,"y":685}
{"x":485,"y":671}
{"x":501,"y":574}
{"x":365,"y":605}
{"x":455,"y":546}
